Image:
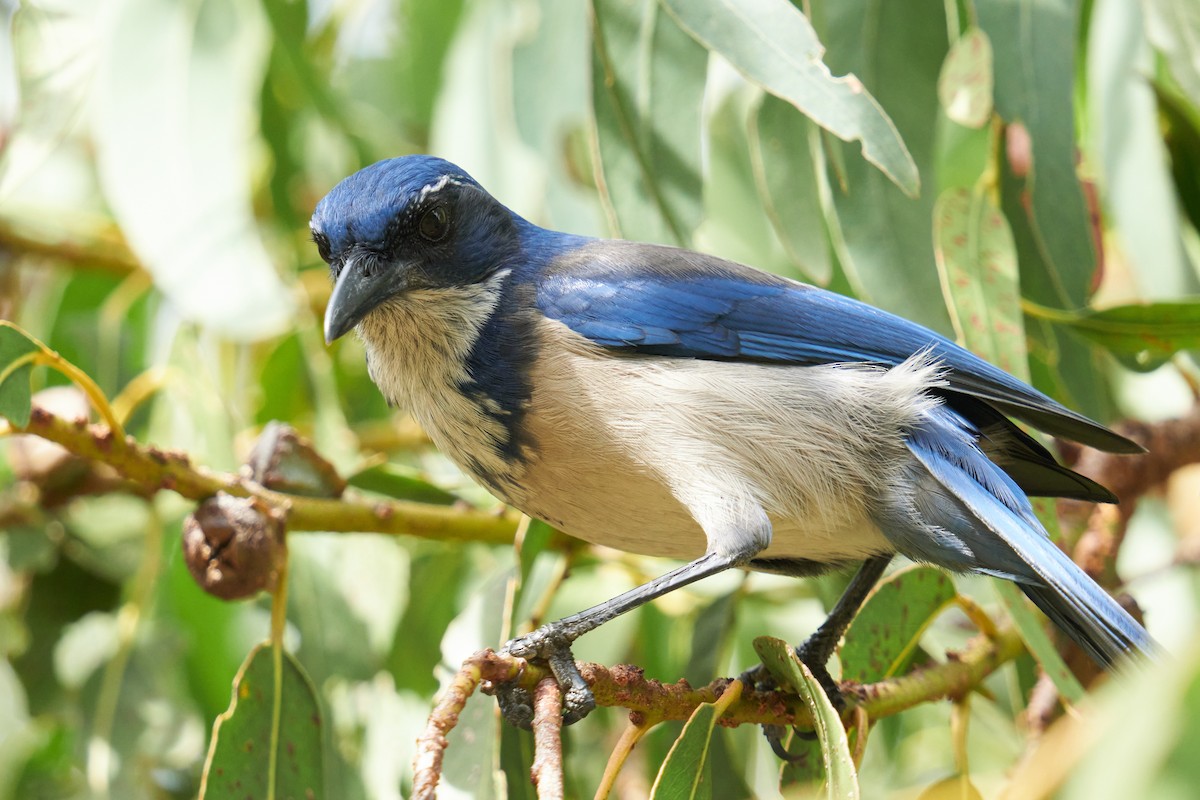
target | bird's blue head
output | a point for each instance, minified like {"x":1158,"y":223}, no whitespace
{"x":408,"y":223}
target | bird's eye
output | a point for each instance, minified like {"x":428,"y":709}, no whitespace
{"x":322,"y":243}
{"x":434,"y":224}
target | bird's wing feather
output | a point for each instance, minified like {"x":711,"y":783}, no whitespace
{"x":665,"y":301}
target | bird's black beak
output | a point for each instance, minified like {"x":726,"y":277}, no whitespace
{"x":363,"y":284}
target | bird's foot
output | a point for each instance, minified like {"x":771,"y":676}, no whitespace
{"x":550,"y":644}
{"x":758,"y":679}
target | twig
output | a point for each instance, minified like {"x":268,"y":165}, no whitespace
{"x":547,"y":769}
{"x":639,"y":726}
{"x":108,"y":256}
{"x":431,"y":744}
{"x":153,"y":469}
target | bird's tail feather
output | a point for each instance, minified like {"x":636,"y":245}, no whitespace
{"x":992,"y":518}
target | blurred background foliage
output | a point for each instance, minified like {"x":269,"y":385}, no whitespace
{"x":159,"y":160}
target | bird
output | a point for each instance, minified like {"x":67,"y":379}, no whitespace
{"x":670,"y":403}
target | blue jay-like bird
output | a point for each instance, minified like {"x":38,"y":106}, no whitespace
{"x":675,"y":404}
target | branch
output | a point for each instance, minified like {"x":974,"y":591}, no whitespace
{"x":627,"y":687}
{"x":152,"y":469}
{"x":106,"y":255}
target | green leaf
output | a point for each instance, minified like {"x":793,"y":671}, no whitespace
{"x":1142,"y":337}
{"x":685,"y":772}
{"x":965,"y":84}
{"x":400,"y":482}
{"x":15,"y":393}
{"x":977,"y":262}
{"x":1064,"y":366}
{"x":173,"y":90}
{"x":787,"y":157}
{"x":773,"y":44}
{"x":648,"y":81}
{"x":1034,"y":47}
{"x":268,"y":744}
{"x":1181,"y":130}
{"x":781,"y":661}
{"x":1033,"y":633}
{"x":886,"y":244}
{"x":887,"y":630}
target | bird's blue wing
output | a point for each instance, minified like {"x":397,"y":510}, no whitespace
{"x":663,"y":301}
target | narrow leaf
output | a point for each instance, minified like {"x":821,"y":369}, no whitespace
{"x":1143,"y":337}
{"x":781,"y":661}
{"x":773,"y":44}
{"x":886,"y":631}
{"x":965,"y":85}
{"x":886,"y":238}
{"x":788,"y":159}
{"x":274,"y":720}
{"x":977,"y":263}
{"x":647,"y":90}
{"x":1033,"y":633}
{"x":1034,"y":50}
{"x":15,"y":393}
{"x":176,"y":89}
{"x":684,"y":774}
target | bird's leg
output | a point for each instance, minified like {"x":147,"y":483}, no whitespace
{"x":818,"y":648}
{"x":552,"y":641}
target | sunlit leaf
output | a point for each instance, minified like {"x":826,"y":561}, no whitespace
{"x":174,"y":154}
{"x":1174,"y":28}
{"x":774,"y":45}
{"x":956,"y":787}
{"x":647,"y":89}
{"x":886,"y":631}
{"x":273,"y":721}
{"x":965,"y":85}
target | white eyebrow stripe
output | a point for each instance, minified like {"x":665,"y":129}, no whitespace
{"x":437,"y":186}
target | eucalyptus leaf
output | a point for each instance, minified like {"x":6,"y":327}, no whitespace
{"x":977,"y":260}
{"x":648,"y":82}
{"x":887,"y":630}
{"x":268,"y":744}
{"x":773,"y":44}
{"x":965,"y":84}
{"x":780,"y":659}
{"x":685,"y":774}
{"x":174,"y":151}
{"x":16,"y":399}
{"x":1034,"y":48}
{"x":1142,"y":337}
{"x":788,"y":161}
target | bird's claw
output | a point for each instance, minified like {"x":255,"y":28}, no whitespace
{"x":758,"y":679}
{"x":547,"y":644}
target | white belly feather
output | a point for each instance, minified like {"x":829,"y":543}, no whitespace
{"x":630,"y":452}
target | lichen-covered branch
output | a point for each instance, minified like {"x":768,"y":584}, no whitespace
{"x":627,"y":687}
